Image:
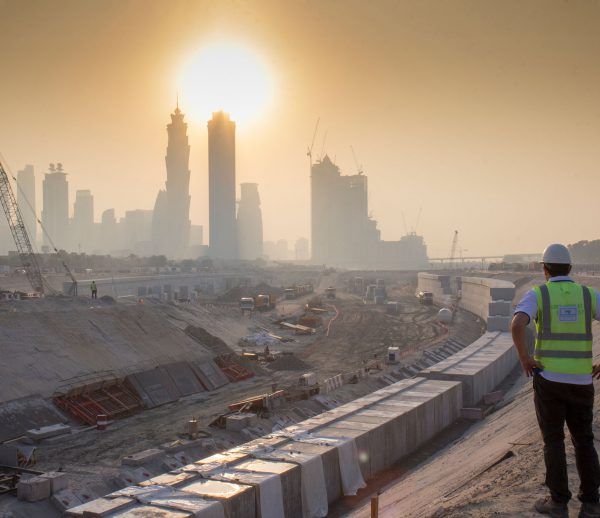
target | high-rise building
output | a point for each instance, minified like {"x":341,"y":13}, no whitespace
{"x":301,"y":249}
{"x":82,"y":226}
{"x":171,"y":219}
{"x":221,"y":187}
{"x":110,"y":238}
{"x":249,"y":223}
{"x":339,"y":215}
{"x":26,"y":200}
{"x":55,"y":212}
{"x":343,"y":234}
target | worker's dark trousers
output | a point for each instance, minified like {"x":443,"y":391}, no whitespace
{"x":556,"y":403}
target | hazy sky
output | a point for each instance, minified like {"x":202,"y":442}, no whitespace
{"x":486,"y":114}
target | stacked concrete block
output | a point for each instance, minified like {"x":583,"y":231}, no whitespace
{"x":439,"y":285}
{"x":490,"y":299}
{"x":480,"y":367}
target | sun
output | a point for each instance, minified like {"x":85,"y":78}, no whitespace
{"x":225,"y":77}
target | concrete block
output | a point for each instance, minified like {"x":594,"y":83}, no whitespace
{"x":34,"y":489}
{"x":37,"y":434}
{"x":238,"y":500}
{"x":500,"y":308}
{"x":142,"y":457}
{"x":150,"y":511}
{"x":170,"y":479}
{"x":175,"y":500}
{"x":58,"y":480}
{"x":100,"y":507}
{"x":498,"y":323}
{"x":291,"y":481}
{"x":237,"y":422}
{"x":134,"y":476}
{"x":481,"y":366}
{"x":64,"y":500}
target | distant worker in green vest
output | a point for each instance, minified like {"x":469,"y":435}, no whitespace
{"x":94,"y":290}
{"x":562,"y":373}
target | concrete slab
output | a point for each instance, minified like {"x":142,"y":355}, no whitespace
{"x":238,"y":500}
{"x":150,"y":511}
{"x":291,"y":480}
{"x":156,"y":386}
{"x":19,"y":415}
{"x":37,"y":434}
{"x":142,"y":457}
{"x":100,"y":507}
{"x":170,"y":479}
{"x":209,"y":374}
{"x":184,"y":378}
{"x":298,"y":452}
{"x":175,"y":500}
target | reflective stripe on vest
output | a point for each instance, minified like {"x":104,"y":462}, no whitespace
{"x":567,"y":349}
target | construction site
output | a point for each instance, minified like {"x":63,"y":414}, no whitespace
{"x":209,"y":308}
{"x":281,"y":391}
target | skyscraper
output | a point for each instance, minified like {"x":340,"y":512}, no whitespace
{"x":55,"y":212}
{"x":26,"y":191}
{"x":249,"y":223}
{"x":221,"y":186}
{"x":83,"y":221}
{"x":171,"y":219}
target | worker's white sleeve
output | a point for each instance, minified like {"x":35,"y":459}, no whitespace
{"x":528,"y":305}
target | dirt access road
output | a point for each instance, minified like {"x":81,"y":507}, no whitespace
{"x":361,"y":333}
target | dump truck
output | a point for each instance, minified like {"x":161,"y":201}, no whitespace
{"x":247,"y":304}
{"x":330,"y":292}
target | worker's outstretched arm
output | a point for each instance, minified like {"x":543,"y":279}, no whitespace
{"x":517,"y":328}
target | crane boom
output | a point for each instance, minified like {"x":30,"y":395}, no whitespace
{"x":453,"y":249}
{"x":19,"y":233}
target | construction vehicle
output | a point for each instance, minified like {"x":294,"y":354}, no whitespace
{"x":330,"y":292}
{"x":247,"y":304}
{"x":425,"y":297}
{"x":293,"y":292}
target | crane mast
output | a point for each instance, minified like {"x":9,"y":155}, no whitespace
{"x":453,"y":249}
{"x":19,"y":233}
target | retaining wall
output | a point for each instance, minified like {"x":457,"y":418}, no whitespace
{"x":490,"y":299}
{"x":439,"y":285}
{"x":480,"y":367}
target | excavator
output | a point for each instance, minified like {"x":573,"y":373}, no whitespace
{"x":22,"y":241}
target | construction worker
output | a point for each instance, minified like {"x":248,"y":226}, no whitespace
{"x":94,"y":290}
{"x":562,"y":374}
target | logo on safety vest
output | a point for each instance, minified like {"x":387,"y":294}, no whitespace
{"x":567,"y":313}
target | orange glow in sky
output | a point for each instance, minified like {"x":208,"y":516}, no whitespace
{"x":226,"y":77}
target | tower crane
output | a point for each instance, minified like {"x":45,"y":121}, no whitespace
{"x":22,"y":240}
{"x":309,"y":151}
{"x":19,"y":233}
{"x":453,"y":249}
{"x":359,"y":167}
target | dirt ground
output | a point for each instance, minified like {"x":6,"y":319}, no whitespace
{"x":360,"y":334}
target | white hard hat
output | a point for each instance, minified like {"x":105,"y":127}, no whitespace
{"x":556,"y":254}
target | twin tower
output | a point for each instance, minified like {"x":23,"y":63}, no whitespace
{"x":232,"y":236}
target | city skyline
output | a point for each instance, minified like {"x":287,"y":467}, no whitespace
{"x":433,"y":97}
